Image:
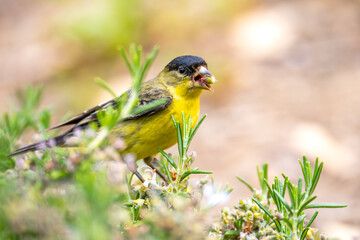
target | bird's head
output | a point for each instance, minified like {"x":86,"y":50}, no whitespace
{"x":188,"y":74}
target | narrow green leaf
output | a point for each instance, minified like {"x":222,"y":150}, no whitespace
{"x":316,"y":178}
{"x":265,"y":170}
{"x":312,"y":219}
{"x":168,"y":174}
{"x":123,"y":54}
{"x":100,"y":82}
{"x":174,"y":121}
{"x":277,"y":223}
{"x":261,"y":177}
{"x":246,"y":183}
{"x":296,"y":198}
{"x":188,"y":130}
{"x":137,"y":56}
{"x":184,"y":124}
{"x":292,"y":195}
{"x":194,"y":171}
{"x":301,"y":221}
{"x":275,"y":187}
{"x":192,"y":134}
{"x":325,"y":205}
{"x":299,"y":191}
{"x":303,"y":169}
{"x":263,"y":208}
{"x":232,"y":233}
{"x":268,"y":186}
{"x":180,"y":140}
{"x":283,"y":189}
{"x":316,"y":163}
{"x":283,"y":201}
{"x":287,"y":221}
{"x":133,"y":54}
{"x":237,"y":223}
{"x":306,"y":203}
{"x":303,"y":234}
{"x":168,"y":158}
{"x":309,"y":171}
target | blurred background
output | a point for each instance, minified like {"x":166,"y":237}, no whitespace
{"x":288,"y":79}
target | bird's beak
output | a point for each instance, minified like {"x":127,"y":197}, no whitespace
{"x":203,"y":78}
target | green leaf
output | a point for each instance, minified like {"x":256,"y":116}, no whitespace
{"x":292,"y":195}
{"x":312,"y":219}
{"x":232,"y":233}
{"x":123,"y":54}
{"x":305,"y":174}
{"x":168,"y":158}
{"x":299,"y":191}
{"x":325,"y":205}
{"x":167,"y":172}
{"x":309,"y":172}
{"x":265,"y":170}
{"x":246,"y":183}
{"x":301,"y":221}
{"x":283,"y":187}
{"x":180,"y":140}
{"x":287,"y":221}
{"x":262,"y":176}
{"x":303,"y":234}
{"x":263,"y":208}
{"x":316,"y":178}
{"x":174,"y":121}
{"x":277,"y":223}
{"x":306,"y":203}
{"x":100,"y":82}
{"x":194,"y":171}
{"x":283,"y":201}
{"x":184,"y":125}
{"x":192,"y":134}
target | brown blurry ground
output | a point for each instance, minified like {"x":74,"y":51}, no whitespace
{"x":288,"y":71}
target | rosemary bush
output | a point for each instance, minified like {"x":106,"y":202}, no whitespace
{"x":267,"y":215}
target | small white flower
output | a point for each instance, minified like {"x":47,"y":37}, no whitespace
{"x":151,"y":180}
{"x":214,"y":198}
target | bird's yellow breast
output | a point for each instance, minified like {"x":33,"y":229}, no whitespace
{"x":145,"y":135}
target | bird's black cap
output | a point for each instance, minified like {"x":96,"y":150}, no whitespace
{"x":190,"y":63}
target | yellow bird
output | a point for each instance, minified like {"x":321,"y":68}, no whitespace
{"x":175,"y":90}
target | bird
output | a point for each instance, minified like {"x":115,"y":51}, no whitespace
{"x":176,"y":90}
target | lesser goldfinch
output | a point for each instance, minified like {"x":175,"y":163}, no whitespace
{"x":177,"y":88}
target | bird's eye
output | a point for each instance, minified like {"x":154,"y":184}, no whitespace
{"x":181,"y":70}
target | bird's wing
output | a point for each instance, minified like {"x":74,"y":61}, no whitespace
{"x":149,"y":103}
{"x":149,"y":107}
{"x":80,"y":117}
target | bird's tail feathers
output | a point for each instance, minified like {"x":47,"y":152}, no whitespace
{"x":49,"y":143}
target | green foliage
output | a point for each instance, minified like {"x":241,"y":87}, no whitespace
{"x":287,"y":220}
{"x":13,"y":125}
{"x":137,"y":71}
{"x":178,"y":172}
